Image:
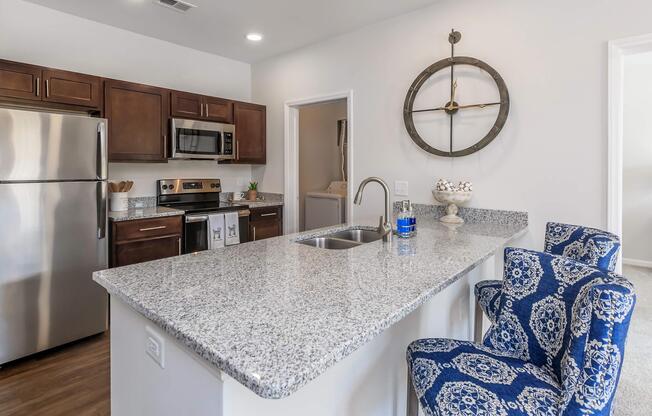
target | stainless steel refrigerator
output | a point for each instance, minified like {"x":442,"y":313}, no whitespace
{"x":53,"y":171}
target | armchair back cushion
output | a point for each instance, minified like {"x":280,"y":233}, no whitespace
{"x":589,"y":245}
{"x":569,"y":318}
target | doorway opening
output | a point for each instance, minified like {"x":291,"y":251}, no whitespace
{"x":629,"y":196}
{"x":630,"y":200}
{"x":318,"y":164}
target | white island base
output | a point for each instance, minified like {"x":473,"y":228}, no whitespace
{"x":370,"y":381}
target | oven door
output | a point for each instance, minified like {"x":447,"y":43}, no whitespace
{"x":193,"y":139}
{"x":195,"y":234}
{"x":196,"y":231}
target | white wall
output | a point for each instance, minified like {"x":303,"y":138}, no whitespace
{"x":319,"y":154}
{"x":38,"y":35}
{"x":551,"y":157}
{"x":637,"y":158}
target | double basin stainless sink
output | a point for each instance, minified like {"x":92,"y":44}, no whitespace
{"x":342,"y":240}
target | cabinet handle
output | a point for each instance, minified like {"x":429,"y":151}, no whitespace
{"x":206,"y":111}
{"x":201,"y":110}
{"x":160,"y":227}
{"x":38,"y":86}
{"x":254,"y":233}
{"x":269,"y":214}
{"x":47,"y":88}
{"x":237,"y":149}
{"x":179,"y":245}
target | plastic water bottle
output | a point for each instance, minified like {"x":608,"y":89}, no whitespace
{"x":403,"y":221}
{"x":413,"y":219}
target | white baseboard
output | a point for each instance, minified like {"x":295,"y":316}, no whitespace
{"x":638,"y":263}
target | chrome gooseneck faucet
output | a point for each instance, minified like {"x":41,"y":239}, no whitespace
{"x":385,"y":226}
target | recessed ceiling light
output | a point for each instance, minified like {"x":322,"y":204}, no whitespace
{"x":255,"y":37}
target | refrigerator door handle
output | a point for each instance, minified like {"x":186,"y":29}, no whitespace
{"x":101,"y":210}
{"x":101,"y":151}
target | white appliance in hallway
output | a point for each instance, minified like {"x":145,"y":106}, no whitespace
{"x":53,"y":171}
{"x":327,"y":207}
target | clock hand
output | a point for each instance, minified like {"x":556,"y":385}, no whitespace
{"x":457,"y":107}
{"x":431,"y":109}
{"x":453,"y":93}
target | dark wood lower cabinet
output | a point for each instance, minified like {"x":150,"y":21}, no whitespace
{"x":133,"y":252}
{"x":265,"y":223}
{"x":137,"y":241}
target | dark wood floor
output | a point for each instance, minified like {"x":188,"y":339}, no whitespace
{"x":70,"y":380}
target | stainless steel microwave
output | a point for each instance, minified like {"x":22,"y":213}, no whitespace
{"x":192,"y":139}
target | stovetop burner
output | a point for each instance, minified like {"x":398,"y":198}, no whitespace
{"x":193,"y":195}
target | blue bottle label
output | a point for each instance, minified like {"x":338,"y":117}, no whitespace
{"x":403,"y":226}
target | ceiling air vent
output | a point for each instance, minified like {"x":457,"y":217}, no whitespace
{"x":178,"y":5}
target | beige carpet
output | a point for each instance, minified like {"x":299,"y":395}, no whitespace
{"x":634,"y":396}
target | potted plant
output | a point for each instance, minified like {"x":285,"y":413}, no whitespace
{"x":253,"y":191}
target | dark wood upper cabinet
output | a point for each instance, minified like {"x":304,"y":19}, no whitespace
{"x":186,"y":105}
{"x":20,"y":81}
{"x":218,"y":109}
{"x":139,"y":115}
{"x":250,"y":132}
{"x":72,"y":88}
{"x":201,"y":107}
{"x":138,"y":121}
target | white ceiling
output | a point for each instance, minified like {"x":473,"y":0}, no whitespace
{"x":219,"y":26}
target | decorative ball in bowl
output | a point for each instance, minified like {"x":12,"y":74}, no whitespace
{"x":452,"y":199}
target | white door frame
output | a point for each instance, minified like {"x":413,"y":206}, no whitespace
{"x":618,"y":50}
{"x":291,"y":181}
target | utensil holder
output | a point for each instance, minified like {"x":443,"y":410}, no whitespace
{"x":119,"y":201}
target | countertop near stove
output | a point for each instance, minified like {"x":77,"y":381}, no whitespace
{"x":274,"y":314}
{"x":143,"y":213}
{"x":259,"y":204}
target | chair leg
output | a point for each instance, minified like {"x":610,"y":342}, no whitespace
{"x":477,"y":326}
{"x":412,"y":400}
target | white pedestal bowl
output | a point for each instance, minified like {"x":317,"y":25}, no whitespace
{"x":452,"y":199}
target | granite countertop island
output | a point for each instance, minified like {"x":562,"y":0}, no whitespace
{"x":275,"y":314}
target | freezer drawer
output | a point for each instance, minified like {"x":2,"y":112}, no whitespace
{"x":52,"y":237}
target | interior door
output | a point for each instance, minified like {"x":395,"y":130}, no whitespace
{"x":53,"y":239}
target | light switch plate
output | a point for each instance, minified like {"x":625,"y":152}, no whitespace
{"x":401,"y":188}
{"x":155,"y":346}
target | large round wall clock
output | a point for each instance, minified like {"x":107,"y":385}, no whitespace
{"x":451,"y":108}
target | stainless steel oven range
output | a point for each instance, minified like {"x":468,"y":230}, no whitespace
{"x":199,"y":198}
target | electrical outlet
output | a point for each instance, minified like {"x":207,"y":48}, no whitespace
{"x":155,"y":346}
{"x":401,"y":188}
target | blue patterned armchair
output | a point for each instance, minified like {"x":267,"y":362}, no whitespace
{"x":589,"y":245}
{"x":556,"y":347}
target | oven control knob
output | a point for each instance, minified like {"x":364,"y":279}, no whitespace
{"x":171,"y":187}
{"x":165,"y":187}
{"x":213,"y":185}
